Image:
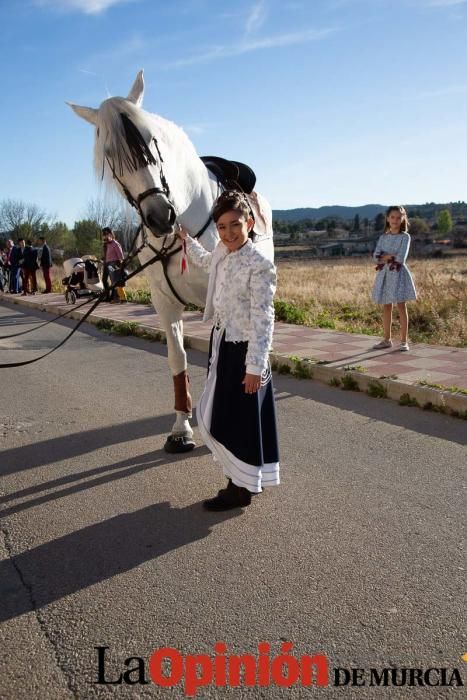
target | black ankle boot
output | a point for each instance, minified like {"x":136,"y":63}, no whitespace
{"x":231,"y":497}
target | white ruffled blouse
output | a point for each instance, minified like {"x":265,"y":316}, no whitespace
{"x":240,"y":296}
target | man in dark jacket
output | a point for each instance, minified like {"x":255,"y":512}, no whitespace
{"x":45,"y":258}
{"x":29,"y":269}
{"x":14,"y":261}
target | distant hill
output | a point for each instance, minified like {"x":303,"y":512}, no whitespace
{"x":427,"y":211}
{"x":369,"y":211}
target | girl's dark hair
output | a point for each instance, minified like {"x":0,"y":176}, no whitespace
{"x":231,"y":199}
{"x":404,"y":220}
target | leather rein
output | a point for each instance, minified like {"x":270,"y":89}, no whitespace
{"x":162,"y":255}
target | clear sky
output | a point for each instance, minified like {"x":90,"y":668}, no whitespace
{"x":330,"y":101}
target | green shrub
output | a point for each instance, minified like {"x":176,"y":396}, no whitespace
{"x":430,"y":406}
{"x":407,"y":400}
{"x":349,"y":383}
{"x":324,"y":320}
{"x":104,"y":324}
{"x":289,"y":313}
{"x":125,"y":328}
{"x":139,"y":296}
{"x":377,"y":390}
{"x":301,"y":369}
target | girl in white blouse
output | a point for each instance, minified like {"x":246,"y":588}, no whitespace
{"x":236,"y":412}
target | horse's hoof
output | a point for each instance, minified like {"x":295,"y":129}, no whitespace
{"x":176,"y":444}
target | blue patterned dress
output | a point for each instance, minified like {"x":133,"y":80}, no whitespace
{"x":393,"y":283}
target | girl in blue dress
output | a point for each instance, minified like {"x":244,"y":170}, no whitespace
{"x":393,"y":283}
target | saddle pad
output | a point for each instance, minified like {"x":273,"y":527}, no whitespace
{"x":232,"y":174}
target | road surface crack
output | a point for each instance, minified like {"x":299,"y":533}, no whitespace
{"x":40,"y":619}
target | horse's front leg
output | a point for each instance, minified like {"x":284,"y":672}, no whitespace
{"x":181,"y":437}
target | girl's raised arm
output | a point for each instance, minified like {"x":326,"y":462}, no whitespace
{"x":197,"y":254}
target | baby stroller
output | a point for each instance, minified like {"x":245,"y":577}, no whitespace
{"x":82,"y":278}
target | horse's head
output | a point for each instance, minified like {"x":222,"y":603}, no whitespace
{"x":130,"y":149}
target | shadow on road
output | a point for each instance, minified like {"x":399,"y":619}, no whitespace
{"x":17,"y":320}
{"x":384,"y":410}
{"x":99,"y":552}
{"x":39,"y":454}
{"x":103,"y":475}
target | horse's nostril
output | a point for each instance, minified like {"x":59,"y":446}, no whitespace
{"x":152,"y":223}
{"x":160,"y":223}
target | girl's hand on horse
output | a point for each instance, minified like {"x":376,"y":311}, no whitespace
{"x":182,"y":234}
{"x":252,"y":383}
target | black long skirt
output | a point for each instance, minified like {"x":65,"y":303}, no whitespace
{"x":240,"y":429}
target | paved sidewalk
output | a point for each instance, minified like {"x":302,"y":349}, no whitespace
{"x":326,"y":354}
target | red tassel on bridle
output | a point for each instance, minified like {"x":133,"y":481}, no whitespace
{"x":184,"y":259}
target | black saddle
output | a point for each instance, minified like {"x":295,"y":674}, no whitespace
{"x":231,"y":174}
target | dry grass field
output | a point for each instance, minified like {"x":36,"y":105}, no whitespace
{"x":335,"y":294}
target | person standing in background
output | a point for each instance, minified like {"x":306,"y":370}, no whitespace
{"x":393,"y":283}
{"x":45,"y":262}
{"x":15,"y":253}
{"x":29,"y":268}
{"x":113,"y":256}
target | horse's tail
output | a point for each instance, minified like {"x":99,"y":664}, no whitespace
{"x":263,"y":224}
{"x":263,"y":214}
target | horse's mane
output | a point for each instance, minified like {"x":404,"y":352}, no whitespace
{"x":124,"y":136}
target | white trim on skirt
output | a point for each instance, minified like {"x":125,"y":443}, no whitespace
{"x":251,"y":477}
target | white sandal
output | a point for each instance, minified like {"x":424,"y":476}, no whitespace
{"x":383,"y":345}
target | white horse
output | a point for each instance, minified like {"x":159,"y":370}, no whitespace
{"x":155,"y":166}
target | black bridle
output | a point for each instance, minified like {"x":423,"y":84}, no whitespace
{"x":162,"y":255}
{"x":135,"y":202}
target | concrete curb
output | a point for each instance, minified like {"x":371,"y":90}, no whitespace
{"x":408,"y":394}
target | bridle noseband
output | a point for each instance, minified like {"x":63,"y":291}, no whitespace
{"x":164,"y":254}
{"x":136,"y":203}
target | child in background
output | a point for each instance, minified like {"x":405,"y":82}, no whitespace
{"x":236,"y":412}
{"x":113,"y":256}
{"x":393,"y":283}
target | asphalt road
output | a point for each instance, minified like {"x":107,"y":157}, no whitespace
{"x":356,"y":556}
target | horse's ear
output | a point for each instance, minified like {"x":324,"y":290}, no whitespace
{"x":87,"y":113}
{"x":136,"y":93}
